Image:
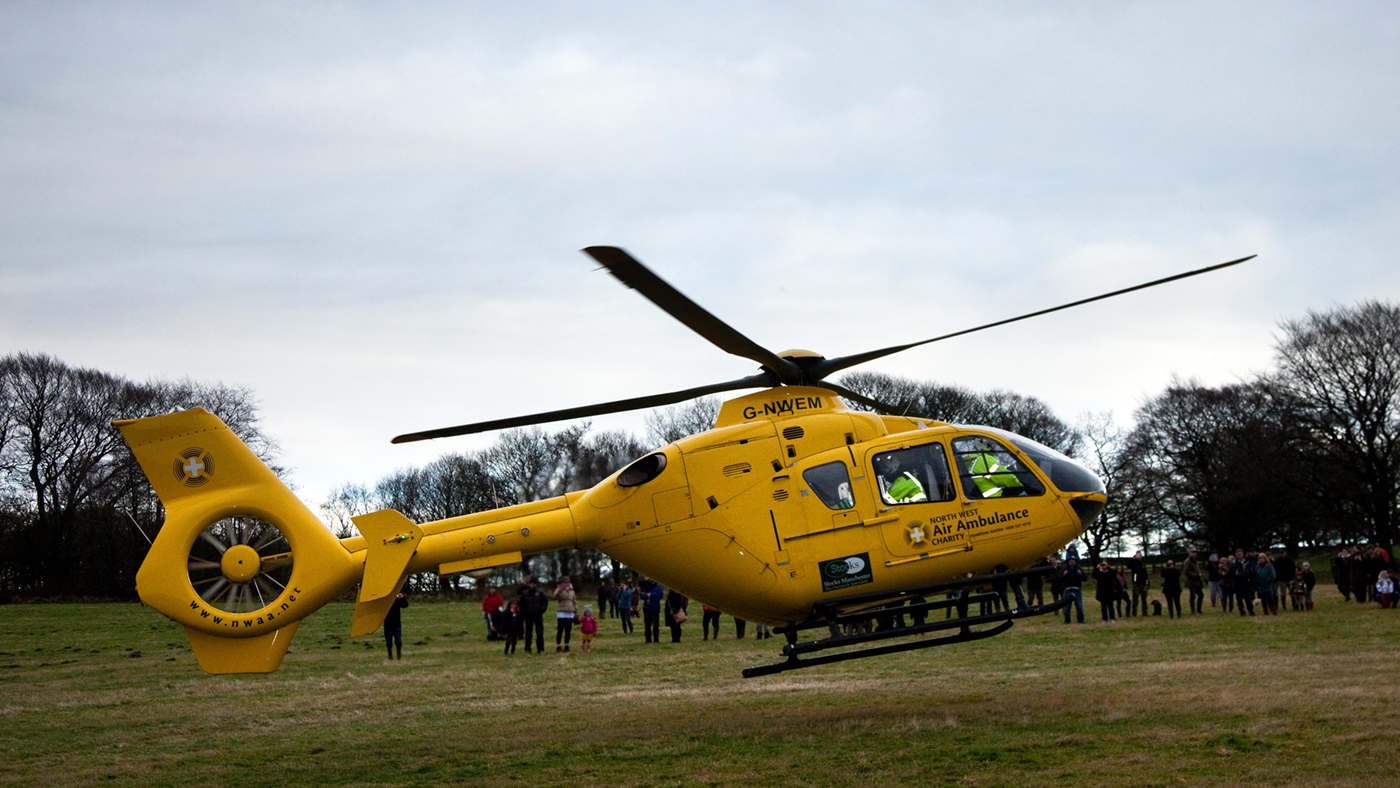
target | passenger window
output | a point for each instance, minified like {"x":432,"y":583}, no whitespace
{"x":914,"y":475}
{"x":989,"y":470}
{"x":832,"y":484}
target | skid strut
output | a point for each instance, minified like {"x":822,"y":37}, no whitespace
{"x":887,"y":605}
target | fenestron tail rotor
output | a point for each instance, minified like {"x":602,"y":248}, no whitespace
{"x":240,"y":564}
{"x":790,"y":368}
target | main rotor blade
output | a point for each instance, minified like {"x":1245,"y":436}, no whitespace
{"x":873,"y":404}
{"x":823,"y":368}
{"x":656,"y":290}
{"x":762,"y":380}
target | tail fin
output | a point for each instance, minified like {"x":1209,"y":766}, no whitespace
{"x":272,"y":562}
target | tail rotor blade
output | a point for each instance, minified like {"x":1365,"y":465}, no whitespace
{"x":213,"y":540}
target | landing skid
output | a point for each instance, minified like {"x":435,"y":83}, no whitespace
{"x":884,"y":607}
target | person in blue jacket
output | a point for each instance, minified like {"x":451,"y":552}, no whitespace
{"x":1266,"y":583}
{"x":651,"y":610}
{"x":624,"y":606}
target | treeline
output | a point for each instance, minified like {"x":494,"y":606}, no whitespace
{"x":72,"y":497}
{"x":1307,"y":455}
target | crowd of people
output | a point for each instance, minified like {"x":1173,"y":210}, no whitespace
{"x":523,"y":617}
{"x":1248,"y":582}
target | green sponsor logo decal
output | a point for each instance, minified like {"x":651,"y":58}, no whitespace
{"x":841,"y":573}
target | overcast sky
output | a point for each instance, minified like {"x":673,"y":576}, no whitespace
{"x":371,"y":214}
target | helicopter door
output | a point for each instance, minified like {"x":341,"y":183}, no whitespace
{"x":922,"y":516}
{"x":1003,"y":499}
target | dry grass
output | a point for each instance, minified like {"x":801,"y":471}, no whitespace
{"x":1303,"y":699}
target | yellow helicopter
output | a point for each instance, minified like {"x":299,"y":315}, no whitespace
{"x":793,"y":511}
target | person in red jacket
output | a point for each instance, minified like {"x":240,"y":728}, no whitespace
{"x":588,"y":626}
{"x":490,"y":610}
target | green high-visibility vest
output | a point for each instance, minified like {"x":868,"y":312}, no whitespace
{"x":907,"y":489}
{"x":991,"y":477}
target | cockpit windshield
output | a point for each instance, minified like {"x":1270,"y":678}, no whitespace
{"x":1067,"y":474}
{"x":990,"y":471}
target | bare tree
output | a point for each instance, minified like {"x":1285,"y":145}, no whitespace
{"x":1026,"y":416}
{"x":458,"y":484}
{"x":1218,"y":466}
{"x":1002,"y":409}
{"x":523,"y":460}
{"x":1103,"y":444}
{"x":345,"y":503}
{"x":1343,"y":368}
{"x":668,"y":425}
{"x":953,"y":404}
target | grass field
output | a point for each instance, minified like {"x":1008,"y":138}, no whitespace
{"x":110,"y":695}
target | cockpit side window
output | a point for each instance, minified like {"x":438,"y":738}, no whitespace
{"x":914,"y":475}
{"x":832,"y":484}
{"x":990,"y":470}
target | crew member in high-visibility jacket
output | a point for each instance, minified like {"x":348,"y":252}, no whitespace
{"x":907,"y":489}
{"x":991,"y":477}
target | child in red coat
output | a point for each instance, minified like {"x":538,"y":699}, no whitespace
{"x":588,"y":627}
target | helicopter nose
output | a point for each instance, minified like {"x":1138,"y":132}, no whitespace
{"x":1088,"y":507}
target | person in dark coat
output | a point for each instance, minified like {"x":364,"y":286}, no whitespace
{"x":511,"y":624}
{"x":1057,"y":587}
{"x":1285,"y":569}
{"x":676,"y":603}
{"x":1122,"y":599}
{"x":1356,"y":567}
{"x":710,"y":617}
{"x":533,"y":605}
{"x":1106,"y":592}
{"x":1309,"y":581}
{"x":1227,"y":583}
{"x":1213,"y":578}
{"x":1138,"y":568}
{"x":1035,"y":585}
{"x":607,"y":595}
{"x":1242,"y":580}
{"x":1341,"y":573}
{"x":1171,"y":588}
{"x":1072,"y":581}
{"x":393,"y":626}
{"x":1377,"y":561}
{"x":1195,"y":582}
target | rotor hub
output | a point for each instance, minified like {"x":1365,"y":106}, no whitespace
{"x":240,"y":563}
